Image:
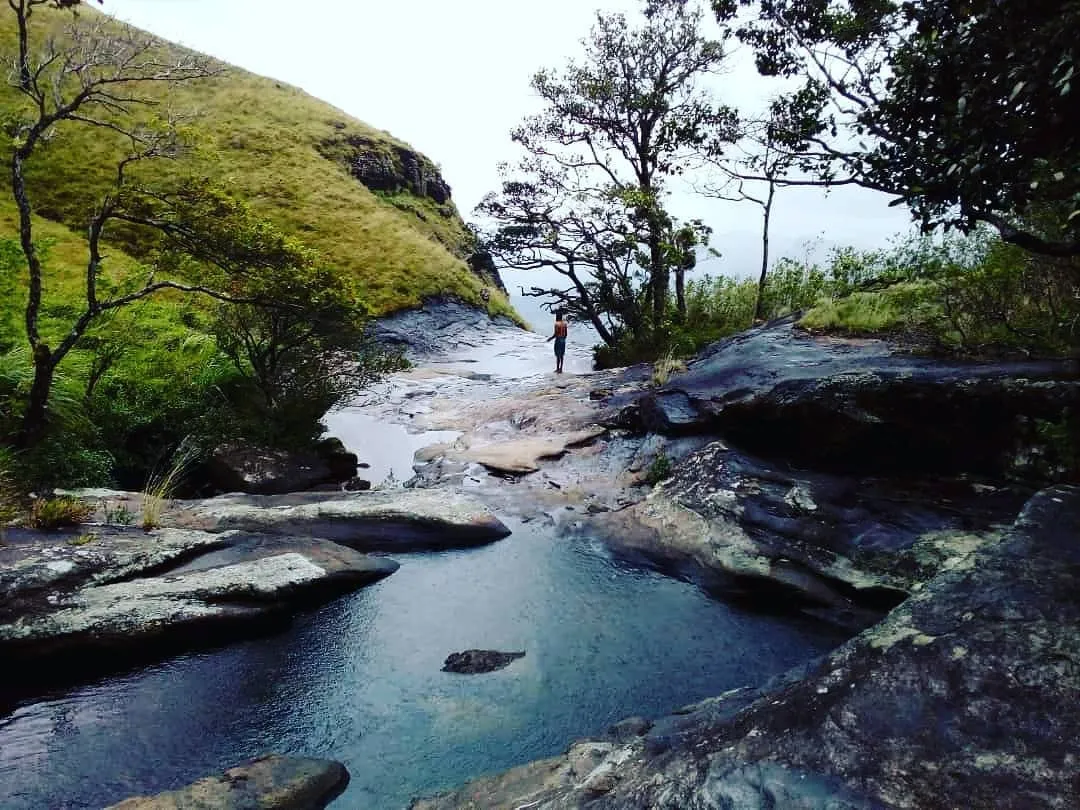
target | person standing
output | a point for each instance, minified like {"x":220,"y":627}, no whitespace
{"x":559,"y":336}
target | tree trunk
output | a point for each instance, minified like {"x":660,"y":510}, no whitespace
{"x":660,"y":280}
{"x":22,"y":14}
{"x":759,"y":307}
{"x":680,"y":292}
{"x":36,"y":417}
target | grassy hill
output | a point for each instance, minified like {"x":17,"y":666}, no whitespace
{"x":147,"y":378}
{"x":297,"y":161}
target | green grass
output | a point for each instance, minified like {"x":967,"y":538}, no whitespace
{"x":267,"y":140}
{"x":899,"y":307}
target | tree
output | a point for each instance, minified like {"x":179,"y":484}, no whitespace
{"x":542,"y":225}
{"x":626,"y":118}
{"x":308,"y":353}
{"x":773,"y":150}
{"x":962,"y":109}
{"x":91,"y":80}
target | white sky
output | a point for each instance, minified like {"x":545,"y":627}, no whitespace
{"x":452,"y":79}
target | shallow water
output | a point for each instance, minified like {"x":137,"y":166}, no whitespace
{"x":360,"y":680}
{"x":386,"y":448}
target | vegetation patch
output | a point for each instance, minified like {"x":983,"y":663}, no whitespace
{"x":49,"y":514}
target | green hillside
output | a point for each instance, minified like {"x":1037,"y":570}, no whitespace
{"x":358,"y":219}
{"x":294,"y":158}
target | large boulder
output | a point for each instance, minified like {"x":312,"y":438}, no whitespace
{"x":866,"y":405}
{"x":268,"y":783}
{"x":962,"y":697}
{"x":241,"y":467}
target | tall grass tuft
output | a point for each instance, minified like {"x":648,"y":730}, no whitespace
{"x":666,"y":366}
{"x":163,"y":483}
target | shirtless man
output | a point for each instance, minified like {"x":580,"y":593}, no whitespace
{"x":559,"y":336}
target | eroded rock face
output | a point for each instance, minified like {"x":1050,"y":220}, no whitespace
{"x":960,"y":698}
{"x":269,"y":783}
{"x":383,"y":166}
{"x":787,"y":540}
{"x":440,"y":326}
{"x":865,"y":406}
{"x":473,"y":662}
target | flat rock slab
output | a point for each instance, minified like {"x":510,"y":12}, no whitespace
{"x":473,"y":662}
{"x":523,"y":456}
{"x":395,"y":520}
{"x":267,"y":783}
{"x":962,"y":697}
{"x":35,"y":564}
{"x":194,"y":606}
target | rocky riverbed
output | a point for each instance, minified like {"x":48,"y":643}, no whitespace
{"x":841,"y":481}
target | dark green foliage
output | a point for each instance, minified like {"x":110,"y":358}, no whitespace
{"x":660,"y":469}
{"x":966,"y":110}
{"x":974,"y":295}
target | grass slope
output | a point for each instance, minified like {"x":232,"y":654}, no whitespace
{"x":267,"y":141}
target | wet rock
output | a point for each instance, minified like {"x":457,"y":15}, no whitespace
{"x":440,"y":325}
{"x":523,"y":456}
{"x":239,"y":467}
{"x":135,"y":614}
{"x":800,"y":541}
{"x":864,"y":405}
{"x":35,"y":565}
{"x":269,"y":783}
{"x":392,"y":520}
{"x":473,"y":662}
{"x":957,"y":699}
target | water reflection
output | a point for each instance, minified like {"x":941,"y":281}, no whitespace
{"x":360,"y":680}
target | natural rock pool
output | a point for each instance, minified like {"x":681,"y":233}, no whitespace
{"x":360,"y":680}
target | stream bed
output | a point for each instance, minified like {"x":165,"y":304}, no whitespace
{"x":360,"y":680}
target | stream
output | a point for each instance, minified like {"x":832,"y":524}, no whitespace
{"x":359,"y":680}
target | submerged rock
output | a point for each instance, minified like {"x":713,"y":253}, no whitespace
{"x":960,"y":698}
{"x":472,"y":662}
{"x":268,"y":783}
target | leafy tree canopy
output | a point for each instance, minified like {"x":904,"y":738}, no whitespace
{"x":964,"y":109}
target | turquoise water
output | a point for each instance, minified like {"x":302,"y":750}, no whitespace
{"x":360,"y":680}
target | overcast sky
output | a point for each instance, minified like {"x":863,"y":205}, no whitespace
{"x":452,"y":79}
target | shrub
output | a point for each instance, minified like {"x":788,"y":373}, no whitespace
{"x":10,"y":497}
{"x":666,"y":366}
{"x":660,"y":469}
{"x":48,"y":514}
